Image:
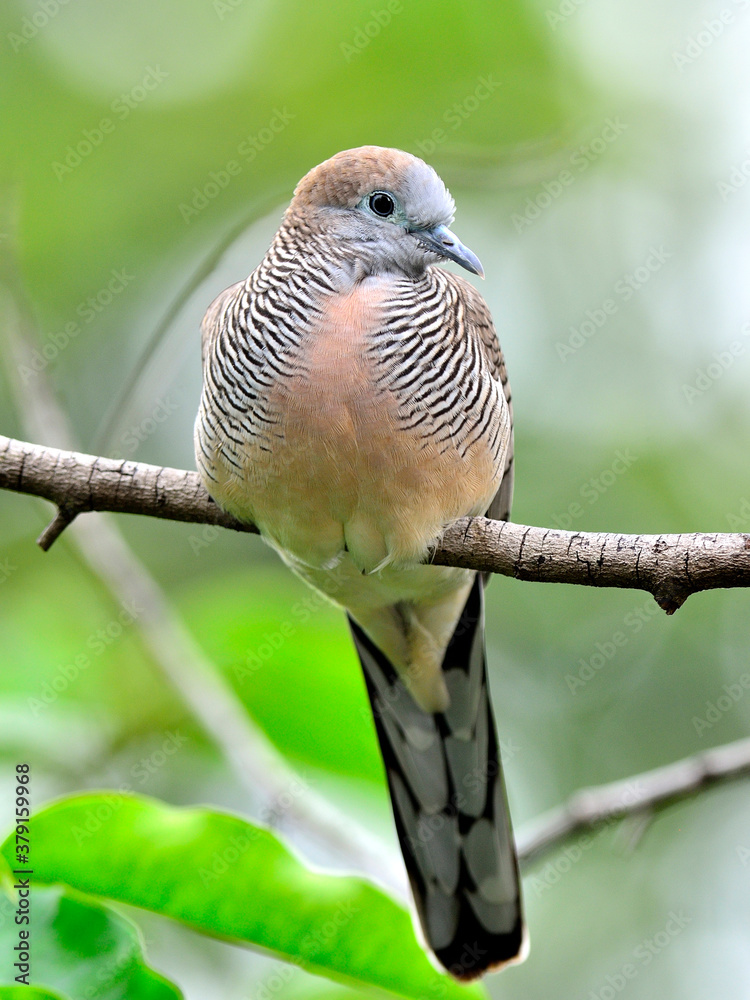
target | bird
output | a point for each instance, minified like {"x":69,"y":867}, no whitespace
{"x":355,"y":402}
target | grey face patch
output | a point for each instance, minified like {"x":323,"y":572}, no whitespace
{"x":425,"y":198}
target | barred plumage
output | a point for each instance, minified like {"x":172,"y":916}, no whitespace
{"x":454,"y":827}
{"x":355,"y":401}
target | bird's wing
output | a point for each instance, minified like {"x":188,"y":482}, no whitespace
{"x":479,"y":321}
{"x":213,"y":320}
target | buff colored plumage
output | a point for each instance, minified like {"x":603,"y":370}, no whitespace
{"x":355,"y":402}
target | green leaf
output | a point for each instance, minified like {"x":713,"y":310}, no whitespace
{"x":82,"y":948}
{"x":224,"y":877}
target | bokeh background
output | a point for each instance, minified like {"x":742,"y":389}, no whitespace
{"x":599,"y":155}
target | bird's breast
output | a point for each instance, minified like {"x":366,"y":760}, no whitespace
{"x":331,"y":406}
{"x":343,"y":472}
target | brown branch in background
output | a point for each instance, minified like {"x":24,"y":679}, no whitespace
{"x":638,"y":795}
{"x":671,"y":567}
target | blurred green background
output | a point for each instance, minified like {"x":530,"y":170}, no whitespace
{"x":599,"y":159}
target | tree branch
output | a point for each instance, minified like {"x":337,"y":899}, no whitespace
{"x":671,"y":567}
{"x":641,"y":794}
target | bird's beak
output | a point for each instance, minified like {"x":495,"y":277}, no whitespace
{"x":442,"y":241}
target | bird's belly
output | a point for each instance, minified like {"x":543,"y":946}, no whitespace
{"x":346,"y":478}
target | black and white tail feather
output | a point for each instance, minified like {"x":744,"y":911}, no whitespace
{"x":448,"y":796}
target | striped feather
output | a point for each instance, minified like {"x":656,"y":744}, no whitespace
{"x":448,"y":797}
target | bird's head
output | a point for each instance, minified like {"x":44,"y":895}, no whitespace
{"x":389,"y":209}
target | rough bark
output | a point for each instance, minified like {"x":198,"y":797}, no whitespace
{"x":671,"y":567}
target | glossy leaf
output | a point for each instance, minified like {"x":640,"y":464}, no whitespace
{"x":227,"y":878}
{"x":79,"y":950}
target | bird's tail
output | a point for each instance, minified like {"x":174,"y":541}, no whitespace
{"x":448,"y":797}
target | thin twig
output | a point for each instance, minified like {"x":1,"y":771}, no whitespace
{"x":640,"y":794}
{"x":55,"y":528}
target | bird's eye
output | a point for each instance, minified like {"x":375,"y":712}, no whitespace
{"x":381,"y":204}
